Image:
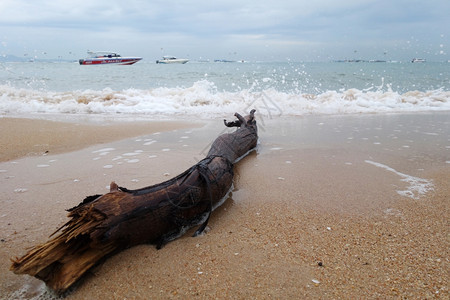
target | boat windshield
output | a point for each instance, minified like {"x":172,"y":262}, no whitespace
{"x":103,"y":54}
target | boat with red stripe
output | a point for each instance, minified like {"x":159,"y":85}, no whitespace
{"x":107,"y":57}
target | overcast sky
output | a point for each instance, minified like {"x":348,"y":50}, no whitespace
{"x":305,"y":30}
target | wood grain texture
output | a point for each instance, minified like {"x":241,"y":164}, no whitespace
{"x":105,"y":224}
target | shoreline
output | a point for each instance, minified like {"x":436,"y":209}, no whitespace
{"x":307,"y":196}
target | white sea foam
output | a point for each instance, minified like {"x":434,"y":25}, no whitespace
{"x":131,"y":154}
{"x":34,"y":291}
{"x":203,"y":99}
{"x":417,"y":186}
{"x":104,"y":150}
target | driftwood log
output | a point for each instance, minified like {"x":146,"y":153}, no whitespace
{"x":105,"y":224}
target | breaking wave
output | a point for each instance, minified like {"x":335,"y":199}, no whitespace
{"x":203,"y":98}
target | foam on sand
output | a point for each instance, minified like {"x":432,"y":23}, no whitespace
{"x":417,"y":186}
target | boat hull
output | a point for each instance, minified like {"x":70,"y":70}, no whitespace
{"x":172,"y":61}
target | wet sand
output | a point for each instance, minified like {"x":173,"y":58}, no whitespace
{"x":31,"y":137}
{"x":328,"y":207}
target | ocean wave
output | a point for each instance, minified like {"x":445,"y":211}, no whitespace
{"x":203,"y":98}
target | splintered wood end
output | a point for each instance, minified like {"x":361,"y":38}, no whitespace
{"x":113,"y":187}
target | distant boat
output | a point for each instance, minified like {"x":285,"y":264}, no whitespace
{"x":415,"y":60}
{"x":228,"y":61}
{"x":351,"y":60}
{"x":224,"y":61}
{"x":106,"y":57}
{"x":172,"y":60}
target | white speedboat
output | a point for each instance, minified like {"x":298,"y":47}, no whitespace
{"x":415,"y":60}
{"x":172,"y":60}
{"x":106,"y":57}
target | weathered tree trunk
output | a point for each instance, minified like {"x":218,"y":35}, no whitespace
{"x":104,"y":224}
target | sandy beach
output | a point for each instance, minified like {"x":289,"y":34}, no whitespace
{"x":328,"y":207}
{"x":30,"y":137}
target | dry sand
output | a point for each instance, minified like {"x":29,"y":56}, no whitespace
{"x":329,"y":207}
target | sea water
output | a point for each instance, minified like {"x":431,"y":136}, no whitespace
{"x":213,"y":88}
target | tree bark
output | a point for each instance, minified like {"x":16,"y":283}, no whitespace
{"x":105,"y":224}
